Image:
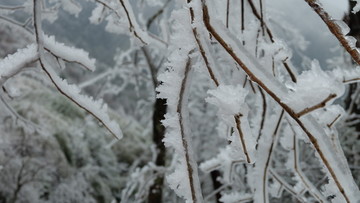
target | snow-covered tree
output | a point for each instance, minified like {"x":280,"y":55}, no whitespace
{"x":206,"y":105}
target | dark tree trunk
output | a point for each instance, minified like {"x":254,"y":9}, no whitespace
{"x":155,"y":193}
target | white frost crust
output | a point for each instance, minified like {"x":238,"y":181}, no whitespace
{"x":228,"y":98}
{"x":13,"y":63}
{"x":69,"y":54}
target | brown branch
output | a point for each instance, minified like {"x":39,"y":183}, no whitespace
{"x":262,"y":115}
{"x":241,"y":136}
{"x":185,"y":144}
{"x":334,"y":29}
{"x":350,"y":80}
{"x":317,"y":106}
{"x":332,"y":123}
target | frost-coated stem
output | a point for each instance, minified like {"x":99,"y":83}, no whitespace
{"x":131,"y":19}
{"x":334,"y":29}
{"x":306,"y":182}
{"x":285,"y":185}
{"x":190,"y":164}
{"x":342,"y":178}
{"x":265,"y":148}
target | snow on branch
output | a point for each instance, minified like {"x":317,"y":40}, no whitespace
{"x":72,"y":92}
{"x":13,"y":63}
{"x":95,"y":108}
{"x":68,"y":54}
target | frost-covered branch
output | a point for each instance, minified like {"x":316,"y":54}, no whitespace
{"x":175,"y":88}
{"x":13,"y":64}
{"x":304,"y":180}
{"x":96,"y":109}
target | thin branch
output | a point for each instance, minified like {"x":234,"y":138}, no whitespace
{"x":263,"y":115}
{"x":317,"y":106}
{"x":269,"y":155}
{"x":241,"y":136}
{"x":332,"y":123}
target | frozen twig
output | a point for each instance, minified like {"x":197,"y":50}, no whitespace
{"x":317,"y":106}
{"x":306,"y":182}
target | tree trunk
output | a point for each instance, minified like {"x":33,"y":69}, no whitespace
{"x":155,"y":193}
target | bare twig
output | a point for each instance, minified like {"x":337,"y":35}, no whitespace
{"x":317,"y":106}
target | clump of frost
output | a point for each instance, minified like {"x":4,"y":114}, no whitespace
{"x":228,"y":98}
{"x":313,"y":87}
